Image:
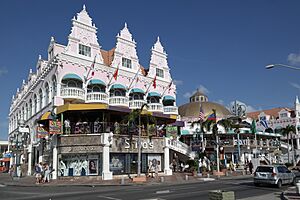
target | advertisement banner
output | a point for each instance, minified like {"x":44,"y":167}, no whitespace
{"x":171,"y":131}
{"x":41,"y":132}
{"x":54,"y":127}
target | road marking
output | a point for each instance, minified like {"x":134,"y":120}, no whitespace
{"x":1,"y":185}
{"x":163,"y":192}
{"x":106,"y":197}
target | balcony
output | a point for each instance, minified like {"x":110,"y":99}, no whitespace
{"x":155,"y":107}
{"x":72,"y":93}
{"x":118,"y":101}
{"x":136,"y":104}
{"x":96,"y":97}
{"x":171,"y":110}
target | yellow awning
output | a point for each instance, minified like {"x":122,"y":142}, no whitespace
{"x":46,"y":115}
{"x":67,"y":107}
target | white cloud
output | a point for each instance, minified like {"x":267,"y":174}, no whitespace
{"x":178,"y":82}
{"x":3,"y":71}
{"x":295,"y":85}
{"x":220,"y":101}
{"x":294,"y":59}
{"x":201,"y":88}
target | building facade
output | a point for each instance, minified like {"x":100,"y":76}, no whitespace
{"x":74,"y":104}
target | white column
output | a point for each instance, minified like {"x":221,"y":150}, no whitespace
{"x":54,"y":162}
{"x":167,"y":169}
{"x":29,"y":160}
{"x":297,"y":133}
{"x":106,"y":141}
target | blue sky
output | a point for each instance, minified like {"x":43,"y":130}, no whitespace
{"x":219,"y":46}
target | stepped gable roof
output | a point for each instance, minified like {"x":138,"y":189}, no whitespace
{"x":272,"y":112}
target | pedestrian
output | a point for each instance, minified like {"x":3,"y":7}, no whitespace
{"x":47,"y":171}
{"x":250,"y":165}
{"x":174,"y":165}
{"x":38,"y":173}
{"x":11,"y":171}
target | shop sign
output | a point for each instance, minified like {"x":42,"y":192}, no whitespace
{"x":54,"y":127}
{"x":41,"y":132}
{"x":241,"y":142}
{"x":144,"y":144}
{"x":171,"y":131}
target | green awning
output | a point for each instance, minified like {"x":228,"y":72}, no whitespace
{"x":96,"y":81}
{"x":153,"y":94}
{"x":137,"y":90}
{"x":168,"y":97}
{"x":72,"y":76}
{"x":184,"y":132}
{"x":117,"y":86}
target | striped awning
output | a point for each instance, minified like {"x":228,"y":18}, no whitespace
{"x":137,"y":90}
{"x":96,"y":81}
{"x":46,"y":116}
{"x":153,"y":94}
{"x":72,"y":76}
{"x":117,"y":86}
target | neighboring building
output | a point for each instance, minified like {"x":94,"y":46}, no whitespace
{"x":3,"y":147}
{"x":79,"y":96}
{"x":236,"y":145}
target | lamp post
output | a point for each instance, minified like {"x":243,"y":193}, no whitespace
{"x":139,"y":140}
{"x":270,"y":66}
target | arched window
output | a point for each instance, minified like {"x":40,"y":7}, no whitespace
{"x":30,"y":108}
{"x":41,"y":99}
{"x":34,"y":104}
{"x":54,"y":87}
{"x":26,"y":112}
{"x":47,"y":94}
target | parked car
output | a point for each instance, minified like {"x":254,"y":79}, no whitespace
{"x":274,"y":175}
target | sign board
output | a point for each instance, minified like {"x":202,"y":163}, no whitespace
{"x":41,"y":132}
{"x":171,"y":131}
{"x":54,"y":127}
{"x":23,"y":130}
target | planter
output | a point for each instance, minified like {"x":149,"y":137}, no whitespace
{"x":221,"y":195}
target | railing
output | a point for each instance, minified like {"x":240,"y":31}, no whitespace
{"x":72,"y":93}
{"x":118,"y":101}
{"x":96,"y":97}
{"x":180,"y":147}
{"x":171,"y":110}
{"x":136,"y":104}
{"x":155,"y":107}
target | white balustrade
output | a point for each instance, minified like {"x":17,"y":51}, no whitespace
{"x":173,"y":110}
{"x":96,"y":97}
{"x":72,"y":93}
{"x":136,"y":104}
{"x":118,"y":101}
{"x":180,"y":147}
{"x":155,"y":107}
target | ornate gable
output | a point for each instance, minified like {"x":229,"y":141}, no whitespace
{"x":84,"y":32}
{"x":126,"y":49}
{"x":159,"y":61}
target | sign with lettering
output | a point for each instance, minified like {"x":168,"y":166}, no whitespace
{"x":41,"y":132}
{"x":54,"y":127}
{"x":171,"y":131}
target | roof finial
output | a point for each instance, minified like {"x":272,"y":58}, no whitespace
{"x":40,"y":57}
{"x":125,"y":25}
{"x":52,"y":39}
{"x":158,"y":39}
{"x":30,"y":71}
{"x":83,"y":8}
{"x":297,"y":100}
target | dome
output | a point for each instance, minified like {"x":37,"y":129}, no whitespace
{"x":192,"y":109}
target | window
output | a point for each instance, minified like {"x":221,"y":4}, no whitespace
{"x":159,"y":72}
{"x":283,"y":115}
{"x":126,"y":63}
{"x":84,"y":50}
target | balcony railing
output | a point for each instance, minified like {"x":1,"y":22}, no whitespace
{"x":173,"y":110}
{"x":136,"y":104}
{"x":72,"y":93}
{"x":96,"y":97}
{"x":155,"y":107}
{"x":118,"y":101}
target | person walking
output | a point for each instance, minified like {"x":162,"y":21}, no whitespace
{"x":250,"y":165}
{"x":38,"y":173}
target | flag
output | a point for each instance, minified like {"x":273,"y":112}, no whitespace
{"x":212,"y":117}
{"x":116,"y":74}
{"x":170,"y":87}
{"x":253,"y":127}
{"x":93,"y":67}
{"x":91,"y":70}
{"x":201,"y":114}
{"x":263,"y":122}
{"x":154,"y":82}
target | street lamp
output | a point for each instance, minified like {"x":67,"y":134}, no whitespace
{"x":139,"y":140}
{"x":270,"y":66}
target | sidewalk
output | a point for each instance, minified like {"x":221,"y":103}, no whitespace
{"x":290,"y":193}
{"x":6,"y":180}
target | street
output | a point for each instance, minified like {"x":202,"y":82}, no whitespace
{"x":243,"y":188}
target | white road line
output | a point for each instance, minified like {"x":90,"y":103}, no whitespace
{"x":163,"y":192}
{"x":106,"y":197}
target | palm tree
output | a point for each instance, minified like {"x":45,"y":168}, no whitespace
{"x":289,"y":129}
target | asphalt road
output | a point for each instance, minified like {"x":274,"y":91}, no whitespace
{"x":243,"y":188}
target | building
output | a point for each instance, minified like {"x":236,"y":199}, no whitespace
{"x":236,"y":144}
{"x":74,"y":104}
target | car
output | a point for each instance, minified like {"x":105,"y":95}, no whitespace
{"x":274,"y":175}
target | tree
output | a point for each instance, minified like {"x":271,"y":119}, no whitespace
{"x":289,"y":129}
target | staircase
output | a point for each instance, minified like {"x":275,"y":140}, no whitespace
{"x":180,"y":147}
